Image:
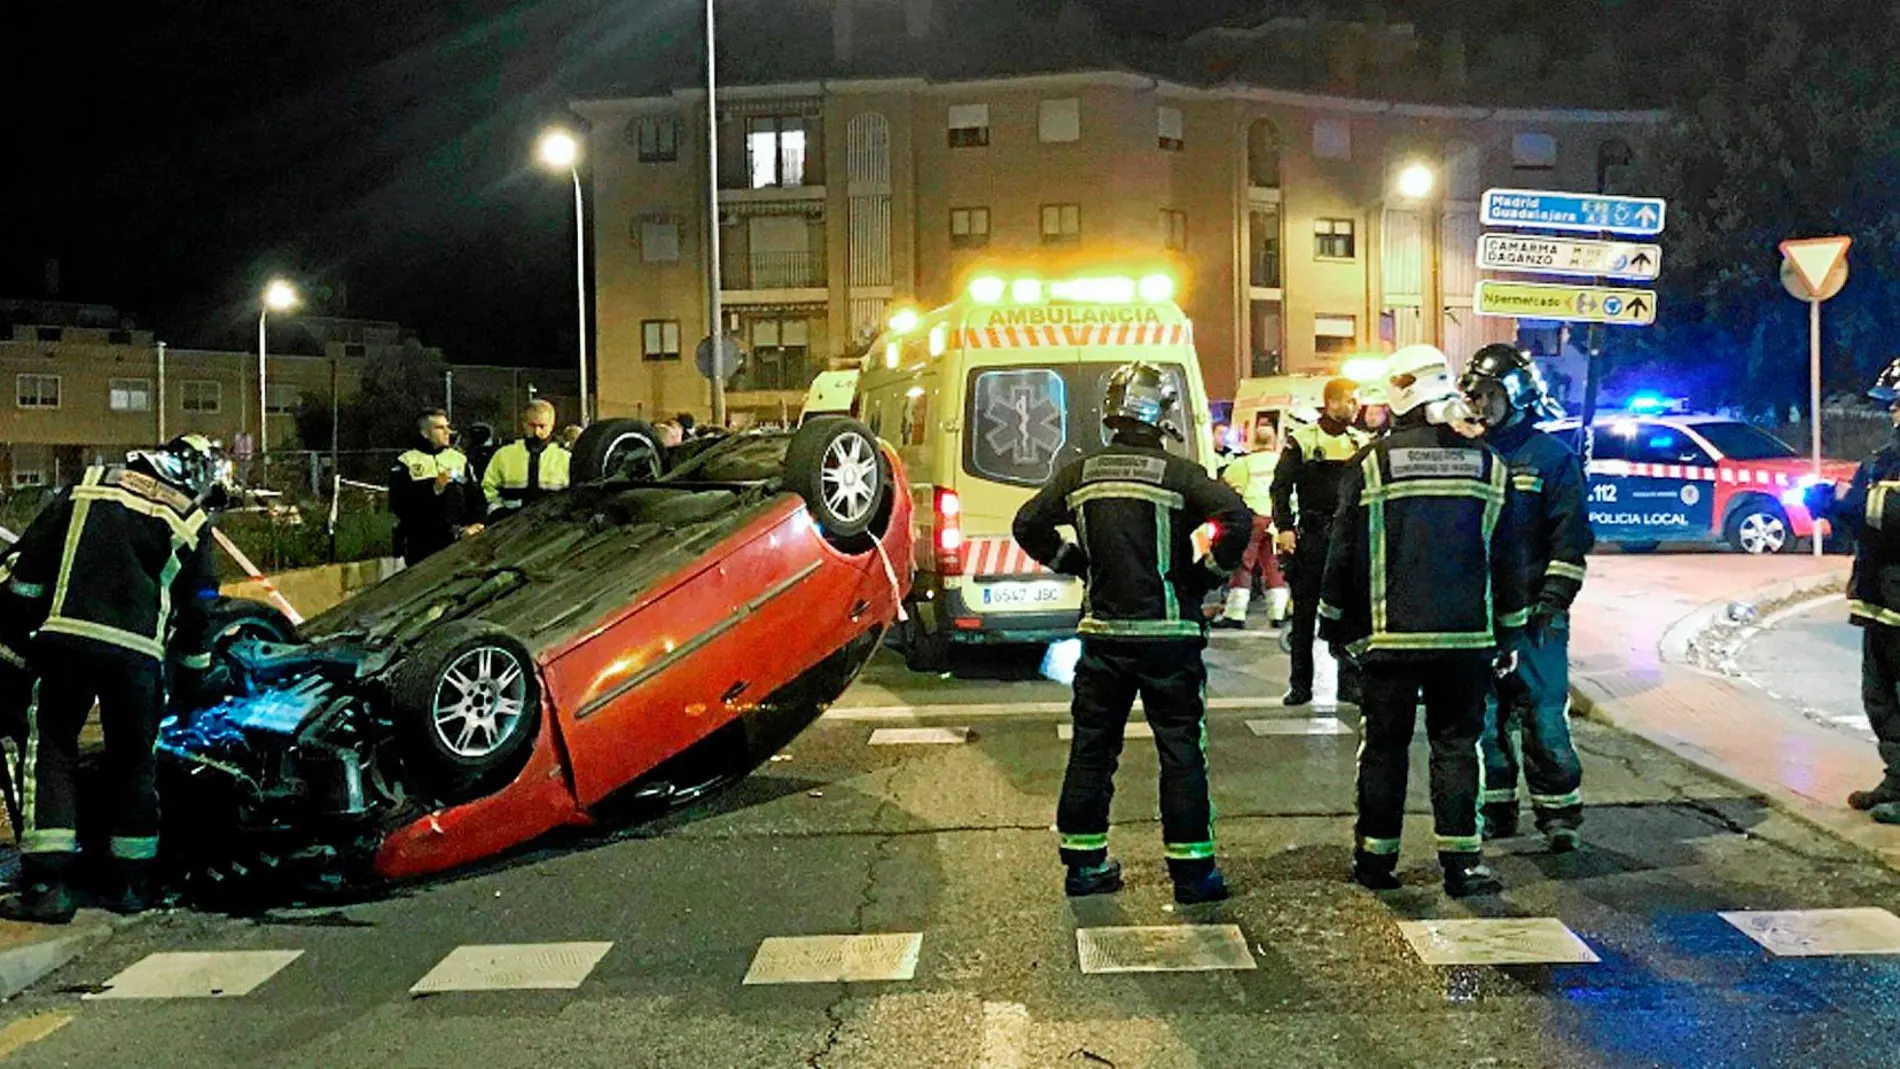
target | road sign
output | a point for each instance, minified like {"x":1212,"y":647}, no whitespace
{"x":1569,"y":256}
{"x":1576,"y":304}
{"x":1556,"y":210}
{"x":1818,"y":266}
{"x":730,"y":356}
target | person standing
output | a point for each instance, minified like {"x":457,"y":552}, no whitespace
{"x":111,"y":568}
{"x":430,"y":492}
{"x":1135,"y":508}
{"x":1305,"y":493}
{"x":529,"y":468}
{"x":1531,"y":715}
{"x":1870,"y":510}
{"x":1251,"y":475}
{"x":1422,"y":583}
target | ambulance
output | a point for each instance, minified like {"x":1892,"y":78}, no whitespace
{"x":985,"y":399}
{"x":1277,"y":400}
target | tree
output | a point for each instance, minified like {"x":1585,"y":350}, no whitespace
{"x":380,"y":417}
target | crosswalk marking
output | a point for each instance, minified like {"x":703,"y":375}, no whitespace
{"x":1807,"y":933}
{"x":1163,"y":948}
{"x":513,"y":967}
{"x":1501,"y":941}
{"x":199,"y":974}
{"x":832,"y":959}
{"x":1136,"y":729}
{"x":1319,"y":725}
{"x":919,"y":736}
{"x":1005,"y":1035}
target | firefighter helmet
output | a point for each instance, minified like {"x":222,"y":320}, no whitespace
{"x":1516,"y":375}
{"x":1417,"y":375}
{"x":1138,"y":393}
{"x":1887,"y":386}
{"x":190,"y":462}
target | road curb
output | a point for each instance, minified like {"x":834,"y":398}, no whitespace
{"x":1590,"y":699}
{"x":44,"y":949}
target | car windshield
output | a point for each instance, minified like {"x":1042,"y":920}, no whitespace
{"x":1740,"y":441}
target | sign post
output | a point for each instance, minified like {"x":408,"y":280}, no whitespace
{"x":1813,"y":270}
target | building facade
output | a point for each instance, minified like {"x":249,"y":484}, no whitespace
{"x":1277,"y":211}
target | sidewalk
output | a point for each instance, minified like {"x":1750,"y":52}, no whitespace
{"x":1629,"y":634}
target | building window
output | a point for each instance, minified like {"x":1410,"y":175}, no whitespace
{"x":1335,"y":334}
{"x":1059,"y":120}
{"x":48,"y":333}
{"x":1533,"y":152}
{"x":658,"y":138}
{"x":1332,"y":239}
{"x":1168,"y":129}
{"x":659,"y":241}
{"x":129,"y":395}
{"x":969,"y":228}
{"x":1332,"y":139}
{"x":23,"y":477}
{"x":969,"y":125}
{"x":660,"y":339}
{"x":1263,"y":248}
{"x":1174,"y":230}
{"x":775,"y":151}
{"x":781,"y":351}
{"x":36,"y":391}
{"x":201,"y":396}
{"x":118,"y":337}
{"x":281,"y":399}
{"x":1061,"y":223}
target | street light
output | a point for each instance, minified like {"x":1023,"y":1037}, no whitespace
{"x":560,"y":149}
{"x":1415,"y":181}
{"x":279,"y":296}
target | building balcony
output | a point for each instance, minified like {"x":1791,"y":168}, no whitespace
{"x":777,"y":273}
{"x":776,"y":370}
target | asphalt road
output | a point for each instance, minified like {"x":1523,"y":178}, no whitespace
{"x":1810,"y":660}
{"x":945,"y":849}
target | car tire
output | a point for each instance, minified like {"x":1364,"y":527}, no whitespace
{"x":925,"y":651}
{"x":618,"y":448}
{"x":228,"y":620}
{"x":838,"y":467}
{"x":1758,"y":526}
{"x":466,"y":703}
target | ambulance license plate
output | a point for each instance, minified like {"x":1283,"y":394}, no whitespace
{"x":1021,"y":595}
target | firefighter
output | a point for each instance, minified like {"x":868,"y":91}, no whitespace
{"x":111,"y":567}
{"x":1135,"y":508}
{"x":1251,"y":475}
{"x":1870,"y":511}
{"x":530,"y":467}
{"x":1531,"y":715}
{"x":1305,"y":493}
{"x":1423,"y":586}
{"x":431,"y":493}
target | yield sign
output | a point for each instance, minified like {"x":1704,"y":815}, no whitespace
{"x":1815,"y":258}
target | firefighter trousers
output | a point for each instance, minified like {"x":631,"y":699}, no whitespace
{"x":1880,"y":691}
{"x":1170,"y":678}
{"x":1527,"y":722}
{"x":1304,"y":570}
{"x":1453,"y":685}
{"x":130,"y":690}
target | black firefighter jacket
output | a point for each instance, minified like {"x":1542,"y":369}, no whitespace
{"x":1871,"y":510}
{"x":1547,"y":486}
{"x":1135,"y":509}
{"x":1424,"y":558}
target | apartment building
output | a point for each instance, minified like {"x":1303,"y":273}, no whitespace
{"x":838,"y":199}
{"x":87,"y":385}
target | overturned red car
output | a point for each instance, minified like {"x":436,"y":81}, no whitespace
{"x":635,"y":642}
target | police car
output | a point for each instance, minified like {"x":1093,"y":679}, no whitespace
{"x":1669,"y":477}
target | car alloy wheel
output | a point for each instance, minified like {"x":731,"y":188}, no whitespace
{"x":480,"y":701}
{"x":1762,"y":532}
{"x":849,"y":476}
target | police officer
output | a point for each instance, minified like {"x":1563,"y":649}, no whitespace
{"x":1135,"y":508}
{"x":1305,"y":494}
{"x":1532,"y":712}
{"x":529,"y":468}
{"x":431,"y":493}
{"x":111,"y":567}
{"x":1422,"y":584}
{"x":1870,"y":510}
{"x":1251,"y":475}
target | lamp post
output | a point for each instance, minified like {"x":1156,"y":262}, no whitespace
{"x":715,"y":325}
{"x":279,"y":296}
{"x":561,"y":149}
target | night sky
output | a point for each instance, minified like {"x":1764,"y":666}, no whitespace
{"x":176,"y":155}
